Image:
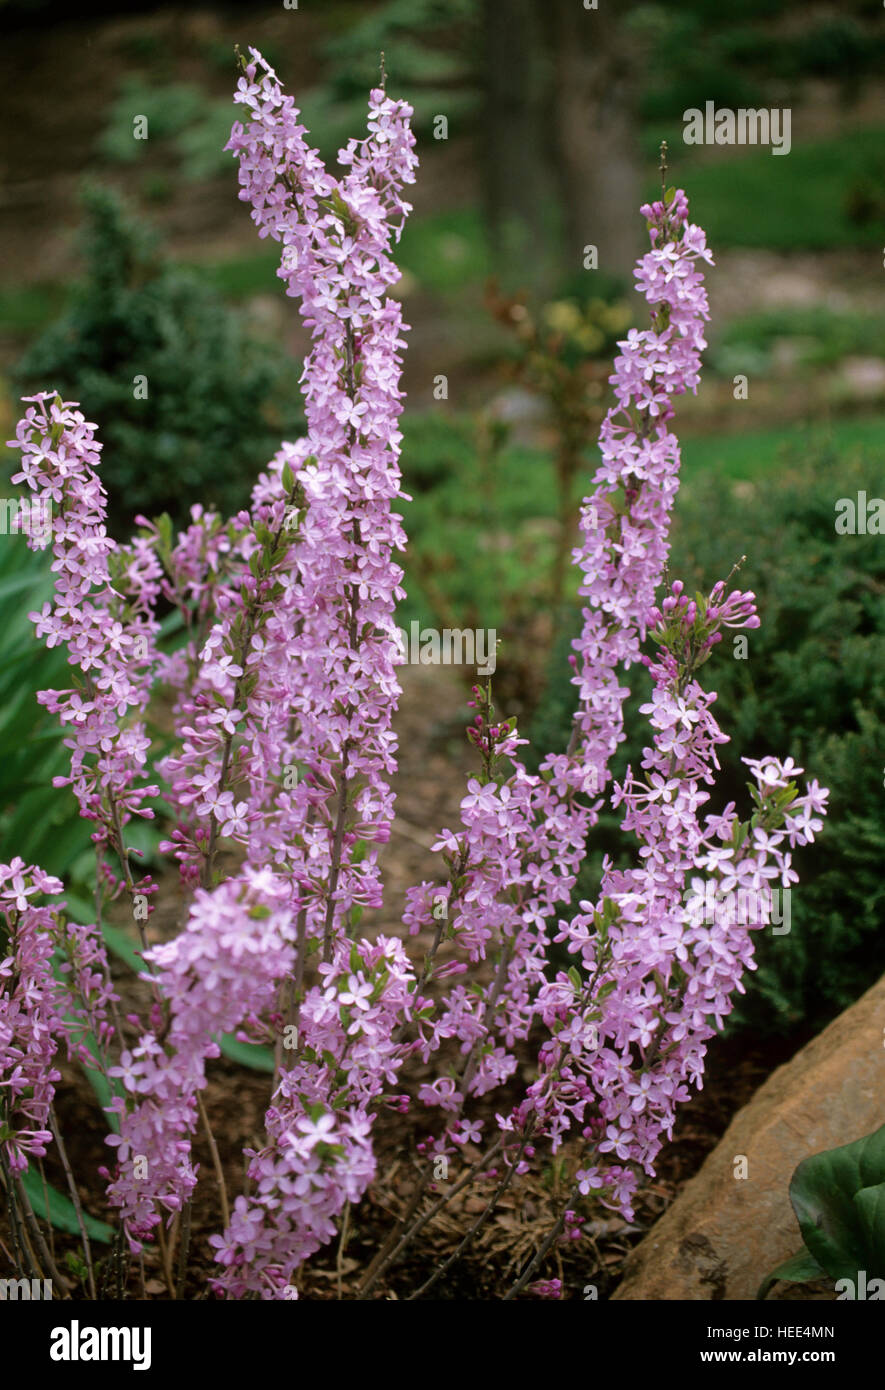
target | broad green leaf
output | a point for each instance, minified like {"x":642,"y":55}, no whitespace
{"x":870,"y":1205}
{"x":839,"y":1231}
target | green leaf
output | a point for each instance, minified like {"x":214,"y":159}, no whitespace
{"x":118,"y":941}
{"x":59,"y":1209}
{"x":79,"y":909}
{"x":869,"y":1203}
{"x":247,"y":1054}
{"x":839,"y":1200}
{"x":103,"y":1092}
{"x":798,"y":1269}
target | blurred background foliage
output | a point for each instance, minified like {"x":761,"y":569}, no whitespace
{"x":189,"y":406}
{"x":129,"y":258}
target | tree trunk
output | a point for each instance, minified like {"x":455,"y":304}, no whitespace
{"x":593,"y":87}
{"x":519,"y":184}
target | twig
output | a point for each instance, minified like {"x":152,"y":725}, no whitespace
{"x":398,"y":1239}
{"x":183,"y":1249}
{"x":43,"y":1249}
{"x":541,"y":1252}
{"x":75,"y":1198}
{"x":342,"y":1243}
{"x":24,"y":1255}
{"x":167,"y":1262}
{"x":216,"y":1161}
{"x":479,"y":1222}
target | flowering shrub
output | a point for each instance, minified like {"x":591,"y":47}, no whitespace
{"x":282,"y":757}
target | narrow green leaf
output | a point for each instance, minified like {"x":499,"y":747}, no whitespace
{"x":118,"y":941}
{"x":59,"y":1210}
{"x":798,"y":1269}
{"x":247,"y":1054}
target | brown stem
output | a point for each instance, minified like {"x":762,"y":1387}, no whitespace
{"x":398,"y":1239}
{"x":542,"y":1250}
{"x":342,"y":1245}
{"x":183,"y":1249}
{"x":75,"y":1198}
{"x":58,"y":1278}
{"x":337,"y":846}
{"x":216,"y":1161}
{"x":166,"y":1260}
{"x":23,"y":1260}
{"x":477,"y":1225}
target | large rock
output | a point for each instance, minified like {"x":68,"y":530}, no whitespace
{"x":723,"y":1234}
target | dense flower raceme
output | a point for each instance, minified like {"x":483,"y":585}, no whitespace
{"x":537,"y":826}
{"x":664,"y":953}
{"x":306,"y":623}
{"x":328,"y":656}
{"x":629,"y":1028}
{"x":316,"y":639}
{"x":303,"y":616}
{"x":286,"y":686}
{"x":332,"y":654}
{"x":220,"y":973}
{"x":102,"y":611}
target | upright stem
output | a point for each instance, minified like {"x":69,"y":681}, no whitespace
{"x":398,"y":1239}
{"x":183,"y":1249}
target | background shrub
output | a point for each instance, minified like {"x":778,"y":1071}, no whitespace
{"x":217,"y":403}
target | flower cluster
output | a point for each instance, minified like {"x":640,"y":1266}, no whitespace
{"x":216,"y":976}
{"x":30,"y":1021}
{"x":319,"y":1154}
{"x":54,"y":986}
